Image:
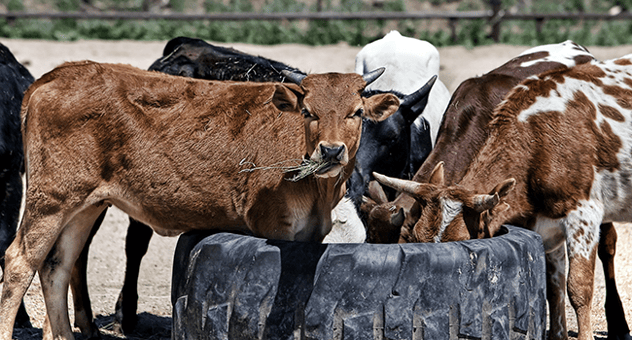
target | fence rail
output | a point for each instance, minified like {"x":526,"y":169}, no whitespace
{"x":470,"y":15}
{"x":495,"y":16}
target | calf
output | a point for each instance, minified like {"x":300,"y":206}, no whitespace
{"x":385,"y":146}
{"x":177,"y":154}
{"x":556,"y":161}
{"x":193,"y":58}
{"x":14,"y":80}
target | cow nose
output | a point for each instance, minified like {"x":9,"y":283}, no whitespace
{"x":332,"y":154}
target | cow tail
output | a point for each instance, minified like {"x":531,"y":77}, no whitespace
{"x":24,"y":114}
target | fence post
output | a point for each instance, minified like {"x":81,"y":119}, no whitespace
{"x":539,"y":22}
{"x":496,"y":19}
{"x":452,"y":23}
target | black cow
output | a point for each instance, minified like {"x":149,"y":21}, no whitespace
{"x":387,"y":145}
{"x":197,"y":59}
{"x":14,"y":80}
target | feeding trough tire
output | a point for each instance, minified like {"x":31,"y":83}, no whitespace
{"x":228,"y":286}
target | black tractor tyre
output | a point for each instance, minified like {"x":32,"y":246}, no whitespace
{"x":228,"y":286}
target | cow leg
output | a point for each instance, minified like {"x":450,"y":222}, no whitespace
{"x":56,"y":271}
{"x":136,"y":244}
{"x":615,"y":315}
{"x":33,"y":241}
{"x":10,"y":200}
{"x":84,"y":318}
{"x":581,"y":246}
{"x":555,"y":293}
{"x":581,"y":280}
{"x":22,"y":319}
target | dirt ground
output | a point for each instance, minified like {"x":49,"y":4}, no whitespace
{"x":107,"y":258}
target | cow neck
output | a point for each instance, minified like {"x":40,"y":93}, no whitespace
{"x":504,"y":155}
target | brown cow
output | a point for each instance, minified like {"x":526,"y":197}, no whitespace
{"x":556,"y":161}
{"x":177,"y":154}
{"x":464,"y":129}
{"x":463,"y":133}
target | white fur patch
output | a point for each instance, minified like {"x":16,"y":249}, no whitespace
{"x":563,"y":53}
{"x":449,"y":210}
{"x":582,"y":228}
{"x":346,"y":224}
{"x":544,"y":104}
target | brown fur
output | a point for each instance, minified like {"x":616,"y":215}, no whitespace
{"x":554,"y":157}
{"x":462,"y":133}
{"x":177,"y":154}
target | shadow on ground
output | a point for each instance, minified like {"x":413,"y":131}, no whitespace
{"x":150,"y":327}
{"x":153,"y":327}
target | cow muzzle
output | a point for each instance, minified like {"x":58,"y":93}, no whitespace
{"x":334,"y":158}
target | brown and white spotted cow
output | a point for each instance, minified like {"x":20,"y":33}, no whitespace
{"x":464,"y":130}
{"x":177,"y":154}
{"x":557,"y":160}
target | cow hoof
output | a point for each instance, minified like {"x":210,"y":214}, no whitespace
{"x":125,"y":318}
{"x":125,"y":325}
{"x":96,"y":336}
{"x":227,"y":286}
{"x":92,"y":332}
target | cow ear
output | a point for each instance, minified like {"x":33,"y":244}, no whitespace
{"x":380,"y":106}
{"x":285,"y":97}
{"x":489,"y":229}
{"x":367,"y":205}
{"x":437,"y":176}
{"x":504,"y":188}
{"x":398,"y":218}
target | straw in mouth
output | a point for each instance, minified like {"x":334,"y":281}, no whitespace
{"x":305,"y":168}
{"x":308,"y":167}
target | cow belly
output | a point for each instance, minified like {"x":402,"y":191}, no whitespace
{"x":171,"y":221}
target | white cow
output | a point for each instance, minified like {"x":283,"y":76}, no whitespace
{"x":409,"y":65}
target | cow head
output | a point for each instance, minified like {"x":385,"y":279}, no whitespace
{"x":449,"y":213}
{"x":385,"y":145}
{"x":333,"y":109}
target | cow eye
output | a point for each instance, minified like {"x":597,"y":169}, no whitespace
{"x":306,"y":113}
{"x":359,"y":113}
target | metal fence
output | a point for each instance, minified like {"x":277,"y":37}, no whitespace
{"x":495,"y":16}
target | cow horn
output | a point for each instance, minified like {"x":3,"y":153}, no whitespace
{"x":481,"y":203}
{"x":409,"y":187}
{"x":373,"y":75}
{"x":294,"y":77}
{"x":418,"y":95}
{"x":376,"y":192}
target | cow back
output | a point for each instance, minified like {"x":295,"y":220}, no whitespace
{"x":186,"y":141}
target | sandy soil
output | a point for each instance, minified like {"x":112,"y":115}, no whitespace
{"x":107,"y":256}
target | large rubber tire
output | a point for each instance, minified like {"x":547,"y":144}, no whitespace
{"x":229,"y":286}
